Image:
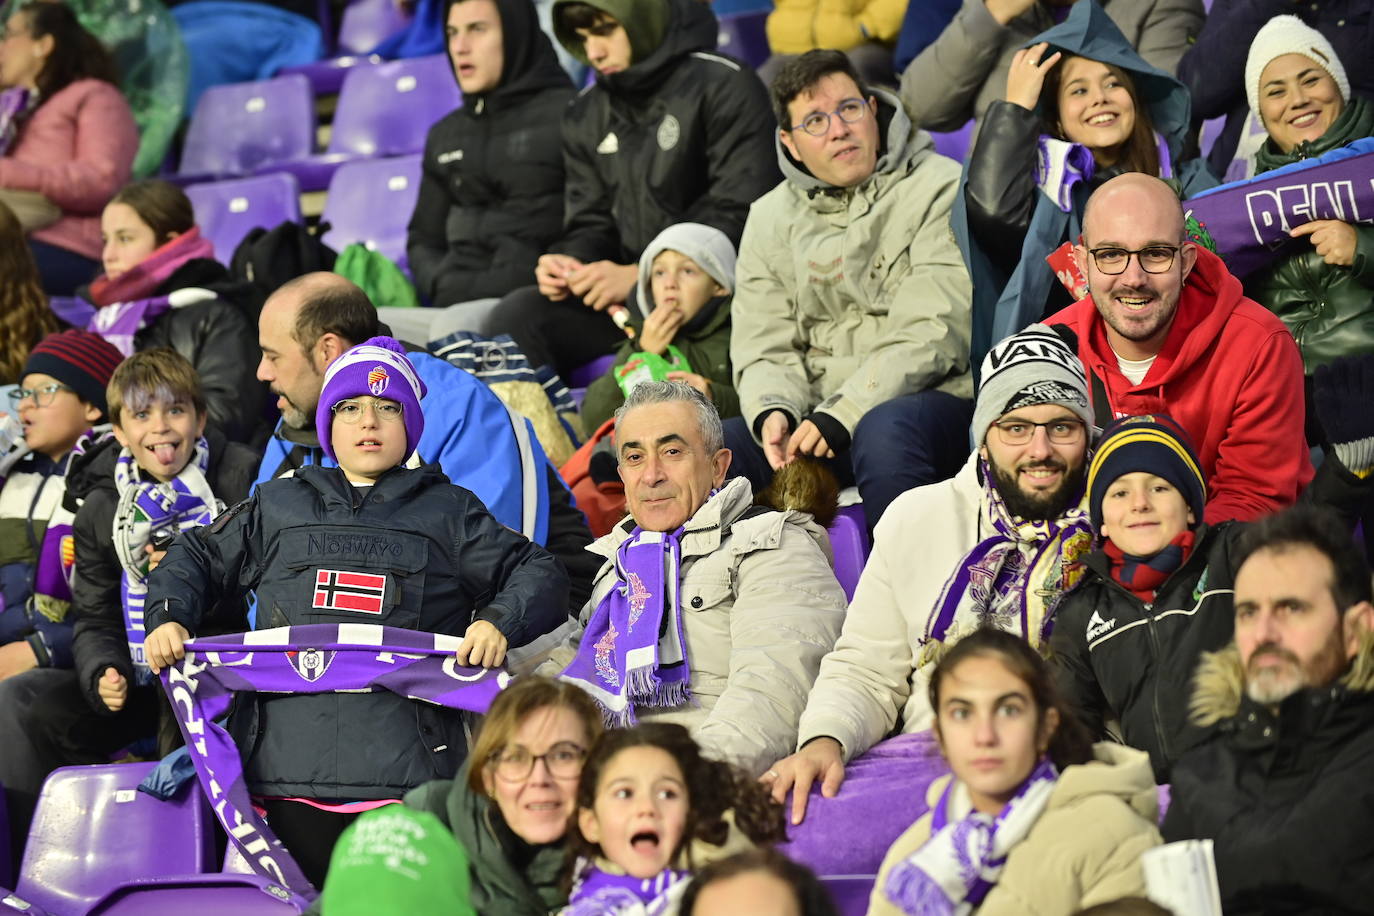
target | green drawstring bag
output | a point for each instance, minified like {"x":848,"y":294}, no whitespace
{"x":377,"y":275}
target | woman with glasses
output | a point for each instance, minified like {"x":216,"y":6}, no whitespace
{"x":1081,"y":107}
{"x":67,"y":137}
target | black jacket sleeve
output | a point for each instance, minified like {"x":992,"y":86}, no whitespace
{"x":1335,"y":487}
{"x":100,"y":640}
{"x":1000,"y":193}
{"x":589,"y":229}
{"x":524,"y":589}
{"x":224,"y":350}
{"x":1072,"y":664}
{"x":219,"y":562}
{"x":427,"y":238}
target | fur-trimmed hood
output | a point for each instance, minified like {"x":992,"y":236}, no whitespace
{"x":1219,"y":684}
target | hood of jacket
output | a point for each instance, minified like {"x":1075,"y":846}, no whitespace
{"x":1115,"y":770}
{"x":710,"y":248}
{"x":1089,"y":32}
{"x":1219,"y":684}
{"x":1205,"y":304}
{"x":902,"y":145}
{"x":529,"y":63}
{"x":1354,"y":123}
{"x":660,"y":31}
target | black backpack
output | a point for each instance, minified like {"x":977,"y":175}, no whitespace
{"x":268,"y":258}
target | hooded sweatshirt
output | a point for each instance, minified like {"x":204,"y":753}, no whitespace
{"x":1006,"y":225}
{"x":681,"y":135}
{"x":849,"y":297}
{"x":1230,"y":374}
{"x":491,"y":192}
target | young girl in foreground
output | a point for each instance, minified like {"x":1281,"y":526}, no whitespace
{"x":1035,"y":818}
{"x":650,"y":811}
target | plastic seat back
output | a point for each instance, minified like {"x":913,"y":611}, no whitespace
{"x":370,"y":202}
{"x":850,"y":893}
{"x":201,"y":895}
{"x":954,"y":144}
{"x":93,"y":830}
{"x":243,"y":127}
{"x":226,"y":211}
{"x":849,"y":542}
{"x":388,"y":110}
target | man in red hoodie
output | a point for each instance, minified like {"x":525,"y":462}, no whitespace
{"x":1166,"y":328}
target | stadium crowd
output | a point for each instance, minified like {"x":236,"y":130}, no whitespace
{"x":1098,"y":398}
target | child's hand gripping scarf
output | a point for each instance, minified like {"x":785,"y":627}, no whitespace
{"x":633,"y":650}
{"x":148,"y":508}
{"x":598,"y":892}
{"x":319,"y":658}
{"x":952,"y":873}
{"x":1014,"y":578}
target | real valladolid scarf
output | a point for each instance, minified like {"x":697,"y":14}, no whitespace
{"x":597,"y":892}
{"x":628,"y":655}
{"x":952,"y":873}
{"x":148,"y":508}
{"x":318,"y":658}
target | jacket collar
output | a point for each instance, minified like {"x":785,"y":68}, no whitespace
{"x":703,"y":532}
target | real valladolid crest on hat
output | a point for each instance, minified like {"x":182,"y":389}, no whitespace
{"x":377,"y":367}
{"x":1031,"y":367}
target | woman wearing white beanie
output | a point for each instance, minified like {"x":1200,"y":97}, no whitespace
{"x":1324,"y":288}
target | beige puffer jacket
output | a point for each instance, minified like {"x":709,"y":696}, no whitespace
{"x":761,"y":607}
{"x":1084,"y":850}
{"x":848,"y":298}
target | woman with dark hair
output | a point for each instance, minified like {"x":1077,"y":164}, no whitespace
{"x":761,"y":882}
{"x":1034,"y":817}
{"x":66,"y":133}
{"x":1081,"y":107}
{"x":25,"y":318}
{"x":162,"y":287}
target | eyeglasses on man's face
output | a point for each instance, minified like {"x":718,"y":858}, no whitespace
{"x":41,"y":396}
{"x":564,"y":760}
{"x":1154,"y":259}
{"x":817,"y":124}
{"x":1062,"y":431}
{"x":351,"y":412}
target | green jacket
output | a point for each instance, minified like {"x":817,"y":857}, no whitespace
{"x":707,"y":351}
{"x":1329,"y":309}
{"x":499,"y":884}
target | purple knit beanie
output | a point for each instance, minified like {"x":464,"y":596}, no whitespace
{"x":377,"y":367}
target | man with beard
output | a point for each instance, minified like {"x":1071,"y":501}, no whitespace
{"x":995,"y":545}
{"x":308,"y":323}
{"x":1167,"y":329}
{"x":1282,"y":788}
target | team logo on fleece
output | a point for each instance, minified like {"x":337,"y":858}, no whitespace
{"x":378,"y":380}
{"x":340,"y":590}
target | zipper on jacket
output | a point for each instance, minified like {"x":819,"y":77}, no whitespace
{"x":1160,"y":735}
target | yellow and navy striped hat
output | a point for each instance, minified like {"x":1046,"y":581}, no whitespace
{"x":1154,"y":444}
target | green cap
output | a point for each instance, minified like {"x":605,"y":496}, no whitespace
{"x":396,"y":860}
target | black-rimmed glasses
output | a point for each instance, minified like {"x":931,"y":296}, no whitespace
{"x":564,"y":761}
{"x":1063,"y":431}
{"x":1154,"y":259}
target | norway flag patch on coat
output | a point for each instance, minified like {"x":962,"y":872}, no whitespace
{"x":338,"y":590}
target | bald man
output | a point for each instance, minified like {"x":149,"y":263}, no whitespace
{"x":1165,"y":328}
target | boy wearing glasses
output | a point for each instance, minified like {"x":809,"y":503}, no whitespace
{"x":851,"y":318}
{"x":60,"y":398}
{"x":374,"y":542}
{"x":1166,"y":328}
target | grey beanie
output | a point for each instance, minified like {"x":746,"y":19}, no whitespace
{"x":707,"y":245}
{"x":1032,"y":367}
{"x":1290,"y":35}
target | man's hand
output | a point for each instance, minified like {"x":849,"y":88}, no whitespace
{"x":113,"y":689}
{"x":774,"y":434}
{"x":699,"y":382}
{"x":551,"y":273}
{"x":163,"y":646}
{"x":602,"y":284}
{"x":820,"y":758}
{"x":660,"y":328}
{"x":1026,"y":77}
{"x":482,"y":646}
{"x":16,"y":658}
{"x":1005,"y":11}
{"x":807,"y":440}
{"x":1334,"y":240}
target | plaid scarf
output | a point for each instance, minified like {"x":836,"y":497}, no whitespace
{"x":633,"y":650}
{"x":1142,"y":576}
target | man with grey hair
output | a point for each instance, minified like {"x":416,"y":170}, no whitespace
{"x":709,"y":611}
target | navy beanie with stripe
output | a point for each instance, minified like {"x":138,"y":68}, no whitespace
{"x":81,"y":360}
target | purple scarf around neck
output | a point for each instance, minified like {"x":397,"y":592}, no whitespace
{"x":597,"y":892}
{"x":317,"y":658}
{"x":630,"y":654}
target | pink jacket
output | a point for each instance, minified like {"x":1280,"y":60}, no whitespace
{"x":77,"y":150}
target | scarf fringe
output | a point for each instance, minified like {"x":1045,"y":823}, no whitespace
{"x":915,"y":893}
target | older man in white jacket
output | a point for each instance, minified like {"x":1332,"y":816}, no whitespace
{"x":709,"y":611}
{"x":998,"y":543}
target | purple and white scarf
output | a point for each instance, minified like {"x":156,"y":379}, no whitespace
{"x":597,"y":892}
{"x":16,"y":103}
{"x":1061,"y":164}
{"x":146,"y":509}
{"x":629,"y":653}
{"x":952,"y":873}
{"x":1012,"y":579}
{"x":120,"y":322}
{"x":318,"y":658}
{"x":52,"y":577}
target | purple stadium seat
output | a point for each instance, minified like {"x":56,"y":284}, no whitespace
{"x":850,"y":893}
{"x":364,"y":25}
{"x":203,"y":895}
{"x":241,"y":128}
{"x":849,"y":542}
{"x":954,"y":144}
{"x":226,"y":211}
{"x":742,"y":36}
{"x":583,"y":376}
{"x":385,"y":110}
{"x":93,"y":830}
{"x":370,"y":201}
